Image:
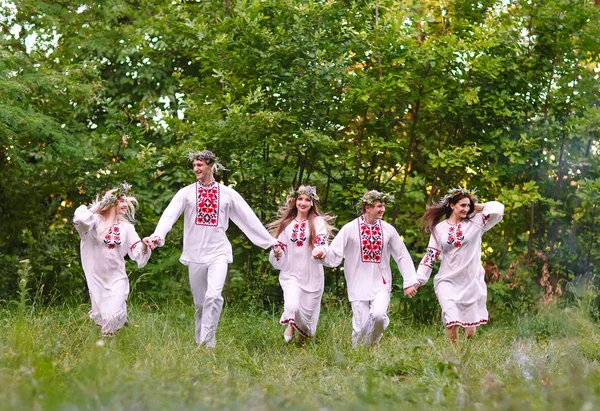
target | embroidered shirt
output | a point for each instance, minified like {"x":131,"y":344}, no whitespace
{"x":297,"y":265}
{"x":366,"y":253}
{"x":206,"y":211}
{"x":459,"y":246}
{"x":103,"y":252}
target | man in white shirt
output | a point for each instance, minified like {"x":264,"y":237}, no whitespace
{"x":207,"y":207}
{"x":366,"y":244}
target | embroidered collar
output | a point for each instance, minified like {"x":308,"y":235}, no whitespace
{"x":454,"y":224}
{"x":206,"y":186}
{"x":363,"y":220}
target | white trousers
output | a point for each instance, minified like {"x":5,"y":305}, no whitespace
{"x":369,"y":319}
{"x":206,"y":281}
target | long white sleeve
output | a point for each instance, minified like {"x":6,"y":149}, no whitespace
{"x":282,"y":262}
{"x":169,"y":217}
{"x":84,"y":219}
{"x":402,"y":257}
{"x":134,"y":248}
{"x":243,"y":216}
{"x":321,"y":237}
{"x":491,"y":214}
{"x":335,"y":251}
{"x":428,"y":261}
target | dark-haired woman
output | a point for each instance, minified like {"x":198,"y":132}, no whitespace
{"x":304,"y":234}
{"x":460,"y":282}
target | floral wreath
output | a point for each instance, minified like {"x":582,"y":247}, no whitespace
{"x":207,"y":156}
{"x":453,"y":192}
{"x":371,"y":196}
{"x":309,"y":191}
{"x":121,"y":191}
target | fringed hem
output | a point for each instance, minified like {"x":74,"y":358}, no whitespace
{"x":475,"y":324}
{"x":292,"y":322}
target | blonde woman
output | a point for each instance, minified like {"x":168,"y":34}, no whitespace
{"x":303,"y":233}
{"x":107,"y":236}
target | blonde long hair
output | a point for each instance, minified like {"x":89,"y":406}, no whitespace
{"x":107,"y":208}
{"x":287,"y":213}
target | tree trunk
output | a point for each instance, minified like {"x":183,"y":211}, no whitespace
{"x":506,"y":240}
{"x":377,"y":40}
{"x":411,"y":142}
{"x":591,"y":247}
{"x":530,"y":237}
{"x":554,"y":230}
{"x":577,"y":199}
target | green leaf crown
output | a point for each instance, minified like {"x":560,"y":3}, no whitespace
{"x":453,"y":192}
{"x":371,"y":196}
{"x":121,"y":191}
{"x":310,"y":191}
{"x":207,"y":156}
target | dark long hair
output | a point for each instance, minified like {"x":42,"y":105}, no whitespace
{"x":433,"y":214}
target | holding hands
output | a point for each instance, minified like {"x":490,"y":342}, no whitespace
{"x":411,"y":291}
{"x":318,"y":254}
{"x":151,"y":242}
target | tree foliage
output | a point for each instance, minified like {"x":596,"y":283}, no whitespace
{"x":400,"y":96}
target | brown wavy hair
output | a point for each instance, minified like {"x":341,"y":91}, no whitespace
{"x":289,"y":212}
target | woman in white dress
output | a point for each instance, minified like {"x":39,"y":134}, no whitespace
{"x":107,"y":236}
{"x":303,"y":234}
{"x":460,"y":282}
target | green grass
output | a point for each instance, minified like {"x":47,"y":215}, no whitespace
{"x":54,"y":359}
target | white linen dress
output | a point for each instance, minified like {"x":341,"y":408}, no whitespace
{"x":103,"y":260}
{"x":301,"y":276}
{"x":460,"y":282}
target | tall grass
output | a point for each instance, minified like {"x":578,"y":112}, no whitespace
{"x":548,"y":360}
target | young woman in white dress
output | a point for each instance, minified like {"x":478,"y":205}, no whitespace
{"x":303,"y":234}
{"x":460,"y":282}
{"x":107,"y":236}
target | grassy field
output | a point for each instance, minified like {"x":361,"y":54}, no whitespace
{"x":55,"y":359}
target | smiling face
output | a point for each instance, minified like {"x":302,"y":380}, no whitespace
{"x":375,"y":211}
{"x":121,"y":206}
{"x":303,"y":204}
{"x":460,"y":210}
{"x":203,"y":171}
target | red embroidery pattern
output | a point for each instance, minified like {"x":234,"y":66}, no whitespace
{"x":430,"y":257}
{"x":134,"y":245}
{"x":484,"y":219}
{"x":299,"y":233}
{"x":455,"y":235}
{"x":320,"y":239}
{"x":476,"y":323}
{"x":207,"y":207}
{"x":113,"y":238}
{"x":292,"y":322}
{"x":371,"y":241}
{"x":279,"y":244}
